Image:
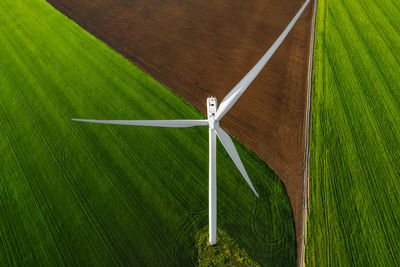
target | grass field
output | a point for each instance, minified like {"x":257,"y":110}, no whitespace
{"x":87,"y":194}
{"x":354,"y":215}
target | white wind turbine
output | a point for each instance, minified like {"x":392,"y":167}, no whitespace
{"x":214,"y":116}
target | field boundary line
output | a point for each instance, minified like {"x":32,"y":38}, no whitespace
{"x":307,"y":139}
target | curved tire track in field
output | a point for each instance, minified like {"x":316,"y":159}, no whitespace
{"x":271,"y":239}
{"x":253,"y":220}
{"x":174,"y":249}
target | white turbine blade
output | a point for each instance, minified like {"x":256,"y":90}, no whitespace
{"x":231,"y":149}
{"x":157,"y":123}
{"x":233,"y":96}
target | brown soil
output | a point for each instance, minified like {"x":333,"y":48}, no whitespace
{"x":203,"y":48}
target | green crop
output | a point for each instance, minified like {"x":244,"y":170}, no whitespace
{"x":354,"y":217}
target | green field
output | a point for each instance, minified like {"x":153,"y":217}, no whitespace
{"x":354,"y":217}
{"x":86,"y":194}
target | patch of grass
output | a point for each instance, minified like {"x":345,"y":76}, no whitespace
{"x":354,"y":215}
{"x":90,"y":195}
{"x":225,"y":253}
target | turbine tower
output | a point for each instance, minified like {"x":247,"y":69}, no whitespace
{"x":214,"y":115}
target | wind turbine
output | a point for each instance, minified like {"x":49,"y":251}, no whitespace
{"x":214,"y":115}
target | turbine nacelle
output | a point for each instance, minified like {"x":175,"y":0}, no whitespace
{"x":212,"y":111}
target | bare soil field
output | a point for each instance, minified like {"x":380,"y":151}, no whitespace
{"x":201,"y":48}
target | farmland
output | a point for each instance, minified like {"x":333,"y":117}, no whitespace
{"x":200,"y":48}
{"x":86,"y":194}
{"x":354,"y":214}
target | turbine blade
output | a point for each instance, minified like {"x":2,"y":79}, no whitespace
{"x":156,"y":123}
{"x":230,"y":148}
{"x":233,"y":96}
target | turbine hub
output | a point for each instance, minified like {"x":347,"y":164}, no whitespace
{"x":212,"y":123}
